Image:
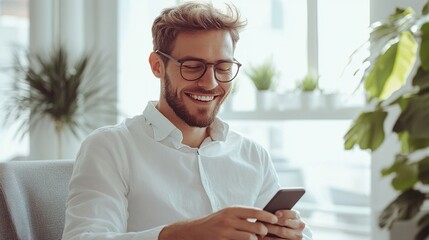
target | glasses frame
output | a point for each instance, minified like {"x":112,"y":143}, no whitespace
{"x":206,"y":64}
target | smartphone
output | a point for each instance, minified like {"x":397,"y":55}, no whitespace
{"x":284,"y":199}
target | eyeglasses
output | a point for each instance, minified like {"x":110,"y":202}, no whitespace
{"x":194,"y":69}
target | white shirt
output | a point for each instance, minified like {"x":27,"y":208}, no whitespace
{"x":132,"y":179}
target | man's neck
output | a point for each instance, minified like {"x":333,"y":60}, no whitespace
{"x":192,"y":136}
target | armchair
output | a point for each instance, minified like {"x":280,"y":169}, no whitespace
{"x":32,"y":198}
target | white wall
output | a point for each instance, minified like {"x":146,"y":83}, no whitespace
{"x":381,"y":191}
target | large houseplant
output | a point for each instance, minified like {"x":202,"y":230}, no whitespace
{"x":68,"y":93}
{"x":398,"y":79}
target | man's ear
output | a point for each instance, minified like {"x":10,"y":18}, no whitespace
{"x":156,"y":64}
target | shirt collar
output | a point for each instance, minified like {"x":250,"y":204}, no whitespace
{"x":162,"y":127}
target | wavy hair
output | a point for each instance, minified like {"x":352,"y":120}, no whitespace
{"x":192,"y":17}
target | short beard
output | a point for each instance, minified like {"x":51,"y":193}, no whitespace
{"x":179,"y":108}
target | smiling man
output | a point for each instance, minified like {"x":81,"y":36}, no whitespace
{"x":177,"y":171}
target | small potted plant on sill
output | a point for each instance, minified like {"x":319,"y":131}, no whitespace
{"x":54,"y":89}
{"x":397,"y":79}
{"x":263,"y":77}
{"x":308,"y":88}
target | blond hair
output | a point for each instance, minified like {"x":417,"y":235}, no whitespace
{"x":191,"y":17}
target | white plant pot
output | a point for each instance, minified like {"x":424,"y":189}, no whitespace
{"x":332,"y":100}
{"x":264,"y":100}
{"x":309,"y":100}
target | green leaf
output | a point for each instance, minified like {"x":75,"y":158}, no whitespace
{"x":366,"y":131}
{"x":406,"y":177}
{"x":400,"y":14}
{"x":400,"y":160}
{"x":423,"y":166}
{"x":415,"y":118}
{"x":406,"y":174}
{"x":409,"y":144}
{"x":421,"y":79}
{"x":404,"y":207}
{"x":392,"y":68}
{"x":262,"y":76}
{"x":424,"y":46}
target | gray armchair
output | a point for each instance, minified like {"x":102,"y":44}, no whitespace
{"x":32,"y":198}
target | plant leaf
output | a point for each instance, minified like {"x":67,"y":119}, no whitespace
{"x":406,"y":177}
{"x":366,"y":131}
{"x":424,"y":46}
{"x":414,"y":118}
{"x":423,"y":165}
{"x":409,"y":144}
{"x":421,"y":79}
{"x":392,"y":68}
{"x":406,"y":174}
{"x":400,"y":160}
{"x":404,"y":207}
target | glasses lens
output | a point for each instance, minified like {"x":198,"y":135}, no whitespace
{"x":192,"y":69}
{"x":226,"y":71}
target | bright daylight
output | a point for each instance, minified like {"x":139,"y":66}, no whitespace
{"x":178,"y":119}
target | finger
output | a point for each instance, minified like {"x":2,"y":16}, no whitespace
{"x":254,"y":213}
{"x":288,"y":214}
{"x":257,"y":228}
{"x":284,"y":232}
{"x":291,"y":223}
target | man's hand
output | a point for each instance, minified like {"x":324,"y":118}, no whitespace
{"x":228,"y":223}
{"x":289,"y":226}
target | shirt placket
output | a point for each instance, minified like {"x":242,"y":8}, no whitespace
{"x":206,"y":183}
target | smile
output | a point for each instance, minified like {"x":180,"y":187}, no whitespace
{"x":202,"y":98}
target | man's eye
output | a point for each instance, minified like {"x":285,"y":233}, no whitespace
{"x":193,"y":66}
{"x":224,"y":67}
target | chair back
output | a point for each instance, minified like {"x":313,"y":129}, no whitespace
{"x":32,"y":198}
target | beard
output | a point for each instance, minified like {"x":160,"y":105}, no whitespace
{"x":204,"y":116}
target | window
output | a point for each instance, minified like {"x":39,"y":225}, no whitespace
{"x":14,"y":29}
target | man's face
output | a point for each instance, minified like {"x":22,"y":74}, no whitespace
{"x":196,"y":102}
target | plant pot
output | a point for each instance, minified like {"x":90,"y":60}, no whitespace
{"x":309,"y":100}
{"x":402,"y":230}
{"x":331,"y":100}
{"x":264,"y":100}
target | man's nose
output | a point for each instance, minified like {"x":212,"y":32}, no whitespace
{"x":208,"y":80}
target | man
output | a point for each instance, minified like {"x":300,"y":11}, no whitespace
{"x":177,"y":171}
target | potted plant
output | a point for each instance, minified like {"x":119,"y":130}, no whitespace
{"x":263,"y":77}
{"x":398,"y":79}
{"x":54,"y":88}
{"x":308,"y":87}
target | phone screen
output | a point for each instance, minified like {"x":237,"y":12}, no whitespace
{"x":284,"y":199}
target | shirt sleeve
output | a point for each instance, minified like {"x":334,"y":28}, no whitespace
{"x":97,"y":203}
{"x":270,"y":186}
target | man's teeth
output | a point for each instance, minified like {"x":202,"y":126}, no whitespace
{"x":202,"y":98}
